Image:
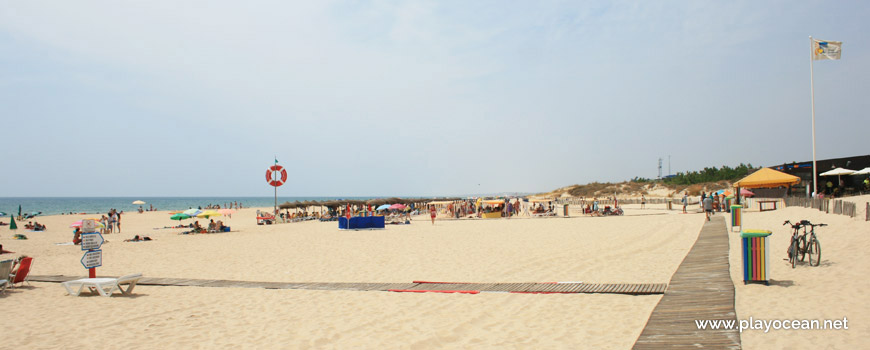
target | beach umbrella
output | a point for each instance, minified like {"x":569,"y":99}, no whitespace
{"x":746,"y":193}
{"x":397,"y":206}
{"x":864,"y":171}
{"x":2,"y":213}
{"x":138,"y":202}
{"x":208,"y":213}
{"x":180,"y":216}
{"x":79,"y":224}
{"x":192,"y":212}
{"x":12,"y":225}
{"x":285,"y":205}
{"x":838,"y":171}
{"x":226,"y":212}
{"x":384,"y":207}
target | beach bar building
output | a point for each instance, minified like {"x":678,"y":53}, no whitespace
{"x":804,"y":170}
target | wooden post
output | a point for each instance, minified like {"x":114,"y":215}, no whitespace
{"x":867,"y":212}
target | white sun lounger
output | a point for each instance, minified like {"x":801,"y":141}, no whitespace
{"x":104,"y":286}
{"x":5,"y":269}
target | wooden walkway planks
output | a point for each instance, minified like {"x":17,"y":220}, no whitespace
{"x":700,"y":289}
{"x":567,"y":288}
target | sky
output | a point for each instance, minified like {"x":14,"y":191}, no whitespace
{"x":417,"y":98}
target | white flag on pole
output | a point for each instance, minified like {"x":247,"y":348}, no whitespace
{"x":826,"y":50}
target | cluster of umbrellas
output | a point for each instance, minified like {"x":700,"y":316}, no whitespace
{"x":743,"y":192}
{"x":397,"y":206}
{"x":196,"y":213}
{"x":391,"y":203}
{"x":840,"y":171}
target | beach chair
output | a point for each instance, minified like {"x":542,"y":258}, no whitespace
{"x":20,"y":276}
{"x":5,"y":269}
{"x":103,"y":286}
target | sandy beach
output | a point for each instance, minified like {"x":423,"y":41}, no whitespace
{"x":834,"y":290}
{"x":644,"y":246}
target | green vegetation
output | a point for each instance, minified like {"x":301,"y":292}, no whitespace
{"x":714,"y":174}
{"x":692,"y":182}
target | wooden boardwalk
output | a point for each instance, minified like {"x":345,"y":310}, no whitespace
{"x":417,"y":286}
{"x":701,"y":289}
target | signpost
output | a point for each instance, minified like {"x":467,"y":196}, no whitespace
{"x":91,"y":242}
{"x":92,"y":259}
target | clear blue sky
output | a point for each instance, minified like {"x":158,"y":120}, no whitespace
{"x":194,"y":98}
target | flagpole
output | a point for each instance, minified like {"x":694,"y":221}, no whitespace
{"x":813,"y":106}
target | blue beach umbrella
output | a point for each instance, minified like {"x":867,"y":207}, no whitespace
{"x":192,"y":212}
{"x":384,"y":207}
{"x":3,"y":214}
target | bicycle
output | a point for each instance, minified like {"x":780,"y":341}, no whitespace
{"x":793,"y":245}
{"x":811,"y":246}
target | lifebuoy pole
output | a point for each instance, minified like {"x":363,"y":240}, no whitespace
{"x":275,"y":176}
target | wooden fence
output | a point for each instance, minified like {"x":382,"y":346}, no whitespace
{"x":834,"y":206}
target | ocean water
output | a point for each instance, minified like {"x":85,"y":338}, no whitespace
{"x":66,"y":205}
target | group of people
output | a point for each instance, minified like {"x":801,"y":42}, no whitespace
{"x":229,"y":205}
{"x":111,"y":222}
{"x":35,"y":226}
{"x":711,"y":203}
{"x":151,"y":208}
{"x":213,"y":227}
{"x":287,"y":216}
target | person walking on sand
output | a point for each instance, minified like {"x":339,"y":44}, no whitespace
{"x":708,"y":207}
{"x":432,"y":213}
{"x":642,"y":202}
{"x":685,"y":201}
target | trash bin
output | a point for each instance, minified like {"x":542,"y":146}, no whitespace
{"x":736,"y":216}
{"x":669,"y":204}
{"x":755,"y":252}
{"x":566,"y":210}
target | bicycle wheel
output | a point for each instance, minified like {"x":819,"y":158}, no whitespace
{"x":802,"y":247}
{"x":815,"y":251}
{"x":793,"y":252}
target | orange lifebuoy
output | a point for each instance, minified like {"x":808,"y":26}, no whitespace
{"x":271,"y":172}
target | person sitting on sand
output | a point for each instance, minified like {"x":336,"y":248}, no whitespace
{"x":15,"y":264}
{"x":220,"y":226}
{"x":211,"y":226}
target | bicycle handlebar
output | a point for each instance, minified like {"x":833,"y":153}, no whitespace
{"x":802,"y":223}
